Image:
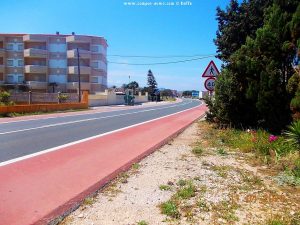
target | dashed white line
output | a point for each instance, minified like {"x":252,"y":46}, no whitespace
{"x":90,"y":119}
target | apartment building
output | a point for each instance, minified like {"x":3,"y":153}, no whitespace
{"x":42,"y":61}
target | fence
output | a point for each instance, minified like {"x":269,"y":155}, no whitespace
{"x":35,"y":98}
{"x":44,"y":107}
{"x":112,"y":98}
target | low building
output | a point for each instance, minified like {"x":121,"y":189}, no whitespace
{"x":45,"y":62}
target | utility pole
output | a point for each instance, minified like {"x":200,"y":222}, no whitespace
{"x":78,"y":69}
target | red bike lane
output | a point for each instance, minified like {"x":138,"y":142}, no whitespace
{"x":38,"y":189}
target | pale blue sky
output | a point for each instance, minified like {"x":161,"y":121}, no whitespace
{"x":129,"y":30}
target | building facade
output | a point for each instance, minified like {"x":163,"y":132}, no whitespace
{"x":45,"y":63}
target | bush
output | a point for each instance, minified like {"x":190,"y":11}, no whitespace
{"x":293,"y":134}
{"x":4,"y":97}
{"x":169,"y":208}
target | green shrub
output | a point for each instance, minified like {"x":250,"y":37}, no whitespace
{"x":197,"y":150}
{"x":293,"y":133}
{"x":169,"y":208}
{"x":262,"y":144}
{"x":186,"y":192}
{"x":142,"y":222}
{"x":181,"y":182}
{"x":4,"y":98}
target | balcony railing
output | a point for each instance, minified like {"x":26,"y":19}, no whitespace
{"x":35,"y":69}
{"x":34,"y":38}
{"x":83,"y":70}
{"x":74,"y":85}
{"x":2,"y":52}
{"x":83,"y":54}
{"x":2,"y":68}
{"x":37,"y":84}
{"x":35,"y":53}
{"x":78,"y":39}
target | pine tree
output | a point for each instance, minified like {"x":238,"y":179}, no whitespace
{"x":251,"y":89}
{"x":151,"y":82}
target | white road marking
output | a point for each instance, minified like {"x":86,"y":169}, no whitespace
{"x":81,"y":114}
{"x":86,"y":139}
{"x":85,"y":120}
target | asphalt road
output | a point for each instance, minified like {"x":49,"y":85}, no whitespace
{"x":21,"y":138}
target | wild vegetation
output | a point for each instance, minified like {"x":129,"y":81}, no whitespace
{"x":258,"y":41}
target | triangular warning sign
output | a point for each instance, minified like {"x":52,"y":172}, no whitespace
{"x":211,"y":70}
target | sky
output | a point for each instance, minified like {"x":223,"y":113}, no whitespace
{"x":159,"y":31}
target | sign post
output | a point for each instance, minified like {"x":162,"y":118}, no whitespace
{"x":211,"y":72}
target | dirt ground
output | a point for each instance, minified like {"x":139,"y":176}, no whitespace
{"x":209,"y":188}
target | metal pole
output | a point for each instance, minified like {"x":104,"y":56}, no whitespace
{"x":79,"y":82}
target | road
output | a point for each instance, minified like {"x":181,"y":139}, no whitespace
{"x":23,"y":138}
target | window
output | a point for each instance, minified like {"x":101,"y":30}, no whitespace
{"x":20,"y":78}
{"x":10,"y":79}
{"x":10,"y":47}
{"x":94,"y":80}
{"x":20,"y":47}
{"x":20,"y":62}
{"x":10,"y":62}
{"x":94,"y":48}
{"x":95,"y":64}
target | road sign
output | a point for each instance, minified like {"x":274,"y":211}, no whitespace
{"x":211,"y":70}
{"x":195,"y":93}
{"x":210,"y":84}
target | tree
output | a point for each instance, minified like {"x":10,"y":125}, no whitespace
{"x":251,"y":89}
{"x":151,"y":82}
{"x":133,"y":85}
{"x":166,"y":93}
{"x":236,"y":23}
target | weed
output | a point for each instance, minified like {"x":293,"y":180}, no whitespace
{"x":293,"y":133}
{"x":197,"y":178}
{"x":203,"y":205}
{"x":221,"y":151}
{"x":123,"y":177}
{"x":187,"y":212}
{"x":249,"y":178}
{"x":88,"y":201}
{"x":284,"y":220}
{"x":169,"y":208}
{"x":164,"y":187}
{"x":287,"y":177}
{"x":181,"y":182}
{"x":222,"y":171}
{"x":136,"y":166}
{"x":197,"y":150}
{"x":142,"y":222}
{"x":226,"y":210}
{"x":186,"y":192}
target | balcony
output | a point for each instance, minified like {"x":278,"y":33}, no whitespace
{"x":83,"y":54}
{"x":78,"y":39}
{"x":2,"y":51}
{"x":2,"y":68}
{"x":74,"y":86}
{"x":34,"y":38}
{"x":35,"y":53}
{"x":83,"y":70}
{"x":37,"y":84}
{"x":35,"y":69}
